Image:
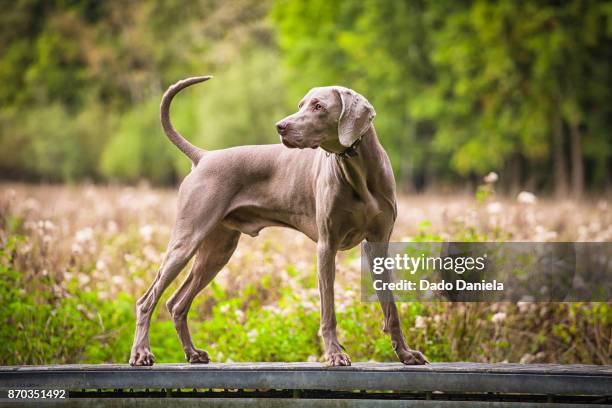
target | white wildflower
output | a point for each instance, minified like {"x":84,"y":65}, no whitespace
{"x":84,"y":235}
{"x":525,"y":197}
{"x":146,"y":232}
{"x":151,"y":254}
{"x":523,"y":306}
{"x":112,"y":227}
{"x":498,"y":317}
{"x":252,"y":335}
{"x":100,"y":264}
{"x":491,"y":178}
{"x":46,"y":225}
{"x":494,"y":207}
{"x":118,"y":280}
{"x":419,"y":322}
{"x":544,"y":235}
{"x":84,"y":279}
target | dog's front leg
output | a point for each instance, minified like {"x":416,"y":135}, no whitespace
{"x":326,"y":257}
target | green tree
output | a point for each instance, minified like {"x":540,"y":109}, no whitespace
{"x":466,"y":87}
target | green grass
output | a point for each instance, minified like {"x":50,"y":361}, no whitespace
{"x":47,"y":322}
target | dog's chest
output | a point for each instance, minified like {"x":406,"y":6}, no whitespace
{"x":353,"y":225}
{"x":352,"y":238}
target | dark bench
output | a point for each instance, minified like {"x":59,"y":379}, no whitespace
{"x":312,"y":384}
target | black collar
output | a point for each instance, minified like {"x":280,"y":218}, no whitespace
{"x":350,"y":151}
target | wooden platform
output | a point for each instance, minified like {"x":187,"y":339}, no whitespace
{"x":369,"y":382}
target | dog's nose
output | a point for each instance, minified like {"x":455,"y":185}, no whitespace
{"x":281,"y":126}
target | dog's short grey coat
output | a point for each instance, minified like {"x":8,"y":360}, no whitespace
{"x":335,"y":199}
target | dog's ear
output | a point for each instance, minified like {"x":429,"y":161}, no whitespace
{"x":356,"y":116}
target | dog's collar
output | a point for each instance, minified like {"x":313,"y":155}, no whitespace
{"x":350,"y":151}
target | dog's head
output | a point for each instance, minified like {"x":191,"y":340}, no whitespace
{"x":333,"y":117}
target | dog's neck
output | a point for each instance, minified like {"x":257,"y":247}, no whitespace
{"x":354,"y":167}
{"x":335,"y":147}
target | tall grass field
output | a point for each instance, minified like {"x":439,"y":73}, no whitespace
{"x":73,"y":260}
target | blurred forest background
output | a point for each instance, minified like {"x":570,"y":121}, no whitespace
{"x":461,"y":88}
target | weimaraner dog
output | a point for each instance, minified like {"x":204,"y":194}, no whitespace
{"x":338,"y":193}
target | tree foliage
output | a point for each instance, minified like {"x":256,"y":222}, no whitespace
{"x":461,"y":88}
{"x":466,"y":87}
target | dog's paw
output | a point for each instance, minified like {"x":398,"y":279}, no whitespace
{"x":412,"y":357}
{"x":338,"y":359}
{"x":197,"y":356}
{"x":142,"y":357}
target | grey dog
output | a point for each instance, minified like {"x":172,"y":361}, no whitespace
{"x":338,"y":193}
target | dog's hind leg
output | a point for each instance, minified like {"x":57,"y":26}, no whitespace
{"x":376,"y":247}
{"x":180,"y":250}
{"x":196,"y":219}
{"x":213,"y":254}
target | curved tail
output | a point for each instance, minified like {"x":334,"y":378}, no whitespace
{"x":191,"y":151}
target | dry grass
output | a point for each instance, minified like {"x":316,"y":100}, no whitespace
{"x":110,"y":240}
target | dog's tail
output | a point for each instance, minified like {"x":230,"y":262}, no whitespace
{"x":191,"y":151}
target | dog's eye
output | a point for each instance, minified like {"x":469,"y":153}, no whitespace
{"x":318,"y":106}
